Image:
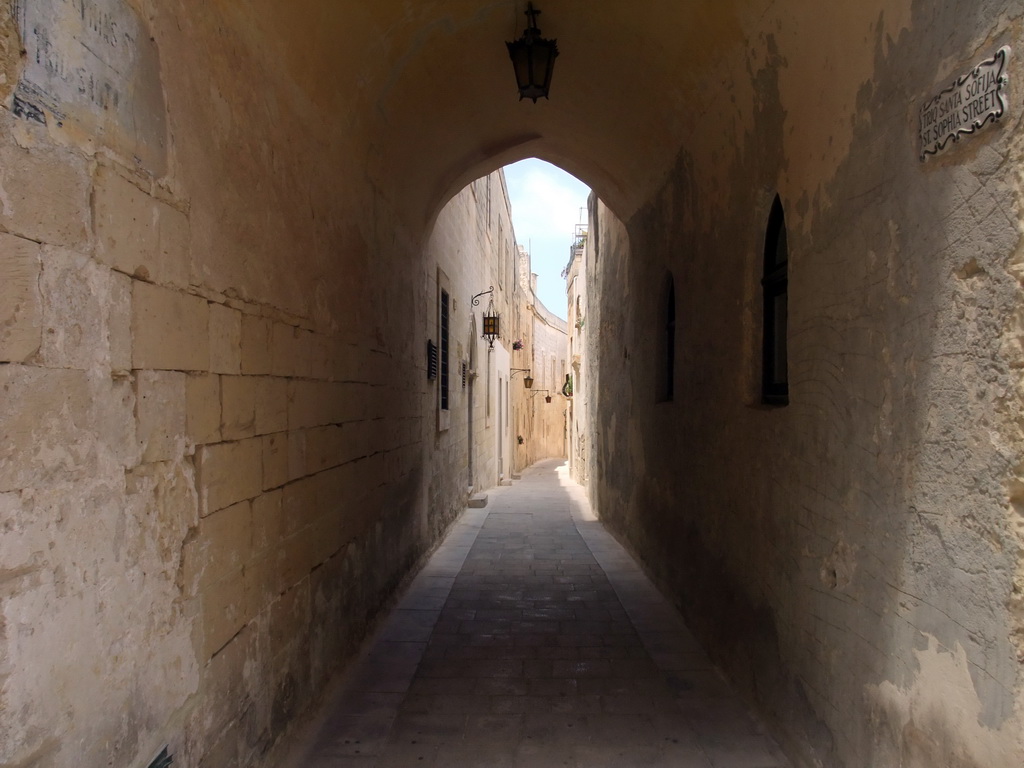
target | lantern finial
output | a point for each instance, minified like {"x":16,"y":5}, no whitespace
{"x":532,"y":14}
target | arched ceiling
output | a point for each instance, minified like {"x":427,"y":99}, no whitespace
{"x":424,"y":88}
{"x":333,"y":130}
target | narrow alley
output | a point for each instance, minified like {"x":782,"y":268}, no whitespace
{"x":531,"y":638}
{"x":269,"y":325}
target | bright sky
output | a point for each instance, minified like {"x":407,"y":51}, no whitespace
{"x":546,"y":207}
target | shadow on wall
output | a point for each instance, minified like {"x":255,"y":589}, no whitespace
{"x":833,"y":555}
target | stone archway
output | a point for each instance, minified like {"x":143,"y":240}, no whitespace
{"x":217,"y":464}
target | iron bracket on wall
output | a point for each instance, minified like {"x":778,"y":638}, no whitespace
{"x":476,"y":297}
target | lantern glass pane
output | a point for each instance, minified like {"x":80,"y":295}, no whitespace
{"x":521,"y":64}
{"x":546,"y":65}
{"x":490,"y":325}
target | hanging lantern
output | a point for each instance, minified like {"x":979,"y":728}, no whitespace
{"x":527,"y":379}
{"x":533,"y":59}
{"x":492,"y":324}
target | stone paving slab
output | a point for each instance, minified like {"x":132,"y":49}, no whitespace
{"x":532,"y":639}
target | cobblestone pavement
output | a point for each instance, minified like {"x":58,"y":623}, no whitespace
{"x":532,"y":639}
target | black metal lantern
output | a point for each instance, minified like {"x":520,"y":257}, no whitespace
{"x":533,"y":59}
{"x":492,"y":324}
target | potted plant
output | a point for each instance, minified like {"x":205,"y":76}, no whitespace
{"x":517,"y":344}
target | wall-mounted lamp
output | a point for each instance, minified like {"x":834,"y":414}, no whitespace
{"x":547,"y":395}
{"x":492,"y":321}
{"x":527,"y":380}
{"x":533,"y":59}
{"x":492,"y":324}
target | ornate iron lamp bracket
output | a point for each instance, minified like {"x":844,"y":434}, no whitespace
{"x":476,"y":297}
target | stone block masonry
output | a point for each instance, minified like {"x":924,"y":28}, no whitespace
{"x":138,"y":234}
{"x":160,"y":408}
{"x":170,"y":329}
{"x":224,"y":247}
{"x":187,"y":476}
{"x":21,"y":321}
{"x":46,"y":191}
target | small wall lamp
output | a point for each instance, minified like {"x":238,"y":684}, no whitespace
{"x":533,"y":59}
{"x":491,"y":318}
{"x":527,"y":379}
{"x":492,"y":324}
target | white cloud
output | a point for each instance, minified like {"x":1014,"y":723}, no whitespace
{"x":546,"y":206}
{"x":546,"y":201}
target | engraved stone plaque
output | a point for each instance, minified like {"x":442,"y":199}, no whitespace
{"x":971,"y":102}
{"x":91,"y":66}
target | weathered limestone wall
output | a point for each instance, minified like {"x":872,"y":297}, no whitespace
{"x":549,"y":349}
{"x":216,"y":461}
{"x":580,"y":418}
{"x":525,"y":412}
{"x":549,"y":368}
{"x":540,"y":424}
{"x":853,"y":560}
{"x":472,"y":245}
{"x":220,"y":449}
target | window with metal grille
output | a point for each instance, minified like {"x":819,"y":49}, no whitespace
{"x":667,"y":353}
{"x":445,"y":300}
{"x":775,"y":351}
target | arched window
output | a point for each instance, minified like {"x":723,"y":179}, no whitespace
{"x":775,"y":363}
{"x":667,"y":342}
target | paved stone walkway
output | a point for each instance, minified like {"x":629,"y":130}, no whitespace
{"x":532,"y":639}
